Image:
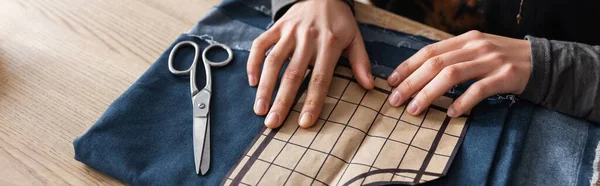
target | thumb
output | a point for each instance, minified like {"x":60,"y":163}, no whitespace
{"x":359,"y":60}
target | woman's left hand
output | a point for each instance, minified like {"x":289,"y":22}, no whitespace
{"x":500,"y":65}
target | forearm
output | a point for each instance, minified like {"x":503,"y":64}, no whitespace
{"x":279,"y":7}
{"x":565,"y":77}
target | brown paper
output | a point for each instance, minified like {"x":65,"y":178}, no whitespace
{"x":358,"y":139}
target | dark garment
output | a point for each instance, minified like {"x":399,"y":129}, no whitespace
{"x":279,"y":7}
{"x":565,"y":49}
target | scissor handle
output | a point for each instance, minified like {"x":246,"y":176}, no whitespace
{"x":196,"y":52}
{"x":206,"y":62}
{"x":218,"y":64}
{"x":172,"y":55}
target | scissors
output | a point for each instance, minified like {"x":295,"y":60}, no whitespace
{"x":200,"y":101}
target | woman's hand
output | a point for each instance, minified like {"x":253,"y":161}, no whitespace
{"x":311,"y":32}
{"x":500,"y":65}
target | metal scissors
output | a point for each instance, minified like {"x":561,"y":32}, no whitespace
{"x":200,"y":100}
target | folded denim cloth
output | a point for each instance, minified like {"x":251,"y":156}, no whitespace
{"x":145,"y":135}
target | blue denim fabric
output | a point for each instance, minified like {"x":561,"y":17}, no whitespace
{"x":145,"y":136}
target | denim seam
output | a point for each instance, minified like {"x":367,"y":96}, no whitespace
{"x":582,"y":151}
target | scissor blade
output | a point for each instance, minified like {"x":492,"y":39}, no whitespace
{"x":205,"y":163}
{"x":200,"y":133}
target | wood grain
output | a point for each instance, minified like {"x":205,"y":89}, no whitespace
{"x":62,"y":62}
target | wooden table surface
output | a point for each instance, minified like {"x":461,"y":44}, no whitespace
{"x":62,"y":62}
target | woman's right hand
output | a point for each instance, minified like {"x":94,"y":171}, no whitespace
{"x":311,"y":32}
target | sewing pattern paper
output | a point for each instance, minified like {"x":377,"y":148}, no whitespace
{"x":358,"y":139}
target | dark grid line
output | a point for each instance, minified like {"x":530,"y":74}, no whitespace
{"x":374,"y":136}
{"x":367,"y":107}
{"x":286,"y":142}
{"x":434,"y":106}
{"x":399,"y":174}
{"x":384,"y":142}
{"x":451,"y":134}
{"x":292,"y":171}
{"x":346,"y":162}
{"x":413,"y":138}
{"x":341,"y":133}
{"x":337,"y":101}
{"x":460,"y":139}
{"x":240,"y":175}
{"x":389,"y":92}
{"x":391,"y":171}
{"x":434,"y":145}
{"x":355,"y":81}
{"x":406,"y":122}
{"x":365,"y":137}
{"x":278,"y":153}
{"x":317,"y":134}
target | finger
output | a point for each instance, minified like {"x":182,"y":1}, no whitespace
{"x":417,"y":80}
{"x":448,"y":77}
{"x":359,"y":60}
{"x":270,"y":74}
{"x":290,"y":83}
{"x":318,"y":86}
{"x":475,"y":93}
{"x":415,"y":61}
{"x":257,"y":53}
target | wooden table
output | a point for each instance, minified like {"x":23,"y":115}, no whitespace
{"x":62,"y":62}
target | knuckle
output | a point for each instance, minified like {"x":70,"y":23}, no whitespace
{"x":311,"y":31}
{"x":282,"y":103}
{"x":404,"y":68}
{"x":258,"y":43}
{"x":425,"y":94}
{"x":474,"y":34}
{"x":435,"y":63}
{"x":273,"y":58}
{"x":319,"y":80}
{"x":428,"y":51}
{"x":262,"y":87}
{"x":330,"y":38}
{"x":293,"y":75}
{"x":485,"y":46}
{"x":451,"y":73}
{"x":310,"y":104}
{"x":407,"y":84}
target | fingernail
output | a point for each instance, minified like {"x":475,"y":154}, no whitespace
{"x":251,"y":80}
{"x":395,"y":99}
{"x":272,"y":120}
{"x":305,"y":119}
{"x":371,"y":75}
{"x":394,"y":78}
{"x":451,"y":112}
{"x":260,"y":106}
{"x":413,"y":107}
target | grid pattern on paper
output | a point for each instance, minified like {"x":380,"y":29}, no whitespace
{"x":358,"y":139}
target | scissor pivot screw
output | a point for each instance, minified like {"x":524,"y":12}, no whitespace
{"x":201,"y":106}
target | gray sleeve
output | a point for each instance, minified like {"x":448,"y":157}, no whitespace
{"x":565,"y":77}
{"x":279,"y":7}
